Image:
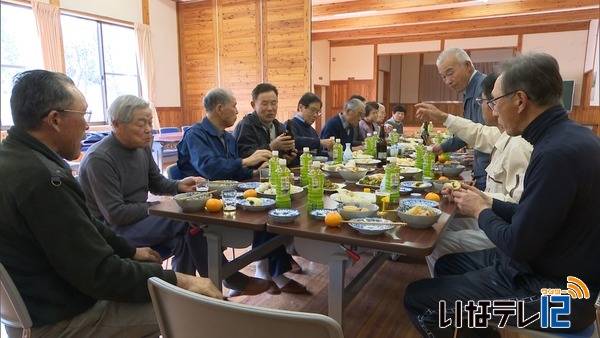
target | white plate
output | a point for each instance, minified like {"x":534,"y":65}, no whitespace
{"x":411,"y":202}
{"x":273,"y":195}
{"x":371,"y":229}
{"x":418,"y":188}
{"x":359,"y":196}
{"x":284,"y":215}
{"x":320,"y":213}
{"x":248,"y":185}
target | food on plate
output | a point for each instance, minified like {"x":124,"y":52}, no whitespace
{"x":354,"y":208}
{"x":454,"y":185}
{"x":328,"y":185}
{"x":254,"y":201}
{"x":333,"y":167}
{"x":419,"y":184}
{"x":360,"y":154}
{"x":432,"y":196}
{"x":420,"y":210}
{"x":408,"y":162}
{"x":443,"y":178}
{"x":374,"y":180}
{"x":333,"y":219}
{"x":250,"y":193}
{"x":269,"y":189}
{"x":347,"y":196}
{"x":213,"y":205}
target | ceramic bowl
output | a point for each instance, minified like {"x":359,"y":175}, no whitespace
{"x":409,"y":172}
{"x":452,"y":170}
{"x":417,"y":221}
{"x":251,"y":204}
{"x":354,"y":175}
{"x":281,"y":215}
{"x":222,"y":185}
{"x":357,"y":210}
{"x":192,"y":201}
{"x":370,"y":229}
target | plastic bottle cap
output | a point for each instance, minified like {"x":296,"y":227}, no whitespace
{"x":429,"y":148}
{"x":395,"y":129}
{"x":282,"y":161}
{"x":306,"y":149}
{"x":369,"y":134}
{"x":316,"y":164}
{"x":274,"y":153}
{"x":392,"y":159}
{"x":416,"y":195}
{"x":338,"y":140}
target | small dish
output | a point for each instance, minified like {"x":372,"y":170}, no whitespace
{"x":370,"y":229}
{"x":250,"y":204}
{"x":248,"y":185}
{"x":337,"y":186}
{"x":320,"y":213}
{"x":284,"y":215}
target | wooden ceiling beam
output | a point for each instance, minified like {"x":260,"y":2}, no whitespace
{"x":466,"y":34}
{"x":461,"y":13}
{"x":461,"y":26}
{"x":375,"y":5}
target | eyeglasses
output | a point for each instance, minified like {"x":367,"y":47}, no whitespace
{"x":87,"y":115}
{"x":492,"y":103}
{"x":480,"y":100}
{"x":314,"y":110}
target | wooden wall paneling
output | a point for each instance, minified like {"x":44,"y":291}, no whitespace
{"x":286,"y":51}
{"x":197,"y":53}
{"x":339,"y":94}
{"x":587,"y":116}
{"x":240,"y":49}
{"x":170,"y":116}
{"x":366,"y":88}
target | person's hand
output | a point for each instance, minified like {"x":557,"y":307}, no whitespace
{"x":437,"y":149}
{"x":447,"y":192}
{"x":430,"y":110}
{"x":146,"y":254}
{"x":471,"y":200}
{"x":199,"y":285}
{"x":282,"y":142}
{"x":258,"y":157}
{"x":327,"y":143}
{"x":290,"y":157}
{"x":468,"y":159}
{"x":188,"y":184}
{"x":388,"y":128}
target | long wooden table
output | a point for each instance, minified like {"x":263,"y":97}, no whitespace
{"x":313,"y":240}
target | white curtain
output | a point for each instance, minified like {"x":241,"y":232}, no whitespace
{"x":145,"y":61}
{"x":47,"y":18}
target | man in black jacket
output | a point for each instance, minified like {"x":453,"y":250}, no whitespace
{"x":75,"y":275}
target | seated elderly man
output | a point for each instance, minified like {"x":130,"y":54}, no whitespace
{"x":261,"y":129}
{"x":116,"y":175}
{"x":345,"y":124}
{"x":207,"y":148}
{"x":309,"y":108}
{"x":76,"y":276}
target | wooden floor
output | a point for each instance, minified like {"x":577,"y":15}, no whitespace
{"x":376,"y":311}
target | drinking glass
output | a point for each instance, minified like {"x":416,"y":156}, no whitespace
{"x":201,"y":184}
{"x":264,"y":174}
{"x":381,"y":203}
{"x":229,"y":199}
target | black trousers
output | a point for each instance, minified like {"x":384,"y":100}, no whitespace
{"x":478,"y":276}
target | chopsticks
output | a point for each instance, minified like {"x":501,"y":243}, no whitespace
{"x":196,"y":195}
{"x":401,"y":224}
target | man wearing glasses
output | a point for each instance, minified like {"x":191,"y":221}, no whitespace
{"x":309,"y":108}
{"x":76,"y":276}
{"x":345,"y":125}
{"x":550,"y":235}
{"x":457,"y":72}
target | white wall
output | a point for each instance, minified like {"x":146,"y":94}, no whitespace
{"x":569,"y":50}
{"x":352,"y":61}
{"x":165,"y":46}
{"x":320,"y":62}
{"x":163,"y":25}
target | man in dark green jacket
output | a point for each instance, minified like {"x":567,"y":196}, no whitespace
{"x":75,"y":275}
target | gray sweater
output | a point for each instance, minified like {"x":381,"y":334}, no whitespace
{"x":116,"y":181}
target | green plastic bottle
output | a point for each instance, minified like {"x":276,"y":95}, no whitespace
{"x":430,"y":129}
{"x":394,"y":137}
{"x":428,"y":160}
{"x":338,"y":151}
{"x":373,"y":142}
{"x":283,"y":185}
{"x":273,"y":164}
{"x":315,"y":186}
{"x":305,"y":161}
{"x":419,"y":148}
{"x":392,"y":180}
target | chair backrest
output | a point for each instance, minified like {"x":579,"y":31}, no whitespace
{"x":166,"y":130}
{"x":173,"y":172}
{"x":12,"y":308}
{"x":182,"y":313}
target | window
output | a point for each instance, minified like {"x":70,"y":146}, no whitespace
{"x":101,"y":59}
{"x":21,"y":51}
